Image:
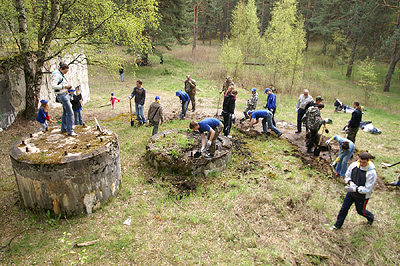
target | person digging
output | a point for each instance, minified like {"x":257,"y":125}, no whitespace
{"x":314,"y":122}
{"x":267,"y":119}
{"x":213,"y":126}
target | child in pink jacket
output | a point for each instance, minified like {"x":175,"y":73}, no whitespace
{"x":112,"y":100}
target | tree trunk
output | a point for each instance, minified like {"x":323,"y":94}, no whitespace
{"x":305,"y":26}
{"x":195,"y":19}
{"x":352,"y":55}
{"x":325,"y":44}
{"x":262,"y":19}
{"x":221,"y":33}
{"x":227,"y":21}
{"x":393,"y":60}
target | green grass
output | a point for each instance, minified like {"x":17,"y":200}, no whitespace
{"x":278,"y":212}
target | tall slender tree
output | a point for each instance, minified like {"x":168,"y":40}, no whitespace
{"x":286,"y":39}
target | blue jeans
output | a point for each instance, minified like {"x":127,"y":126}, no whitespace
{"x":122,"y":76}
{"x":300,"y":114}
{"x":140,"y":113}
{"x":184,"y":109}
{"x":67,"y":118}
{"x":361,"y":204}
{"x":78,"y":118}
{"x":268,"y":120}
{"x":341,"y":166}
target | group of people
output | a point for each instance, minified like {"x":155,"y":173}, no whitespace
{"x":67,"y":96}
{"x":309,"y":114}
{"x":360,"y":176}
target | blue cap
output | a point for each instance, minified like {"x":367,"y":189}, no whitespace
{"x":112,"y":94}
{"x":178,"y":93}
{"x":250,"y":112}
{"x":71,"y":90}
{"x":157,"y":97}
{"x":267,"y":89}
{"x":43,"y":101}
{"x":253,"y":89}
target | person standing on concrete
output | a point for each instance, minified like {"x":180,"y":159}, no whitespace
{"x":354,"y":123}
{"x":60,"y":87}
{"x":184,"y":97}
{"x":271,"y":103}
{"x":228,"y":82}
{"x":303,"y":100}
{"x":43,"y":114}
{"x":155,"y":115}
{"x":251,"y":103}
{"x":211,"y":125}
{"x":140,"y":96}
{"x":314,"y":122}
{"x":346,"y":151}
{"x":228,"y":112}
{"x":267,"y":118}
{"x":360,"y":179}
{"x":190,"y":88}
{"x":76,"y":100}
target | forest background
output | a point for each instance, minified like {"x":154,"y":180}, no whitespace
{"x":270,"y":215}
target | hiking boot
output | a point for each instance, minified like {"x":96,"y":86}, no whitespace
{"x":72,"y":134}
{"x":370,"y":222}
{"x":397,"y":184}
{"x":280,"y":134}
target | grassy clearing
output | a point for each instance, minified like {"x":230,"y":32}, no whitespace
{"x":266,"y":208}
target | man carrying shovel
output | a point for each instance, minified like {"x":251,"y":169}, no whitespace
{"x":213,"y":126}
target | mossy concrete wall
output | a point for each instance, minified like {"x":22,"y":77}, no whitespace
{"x":80,"y":183}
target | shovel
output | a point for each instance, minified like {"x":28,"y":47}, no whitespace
{"x":389,"y":165}
{"x":130,"y":104}
{"x":317,"y":149}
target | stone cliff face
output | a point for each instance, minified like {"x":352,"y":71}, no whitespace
{"x":12,"y":88}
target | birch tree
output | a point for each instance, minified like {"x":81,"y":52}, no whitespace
{"x":37,"y":31}
{"x":284,"y":40}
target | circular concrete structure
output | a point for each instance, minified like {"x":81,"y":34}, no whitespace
{"x":174,"y":151}
{"x":64,"y":174}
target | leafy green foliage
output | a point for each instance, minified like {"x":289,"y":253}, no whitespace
{"x":284,"y":39}
{"x":368,"y":79}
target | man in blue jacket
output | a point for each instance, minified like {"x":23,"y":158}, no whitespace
{"x":271,"y":103}
{"x":184,"y":97}
{"x":213,"y":126}
{"x":267,"y":118}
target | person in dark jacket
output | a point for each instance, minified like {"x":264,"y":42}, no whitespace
{"x":140,"y":96}
{"x":155,"y":115}
{"x":228,"y":111}
{"x":354,"y":123}
{"x":76,"y":106}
